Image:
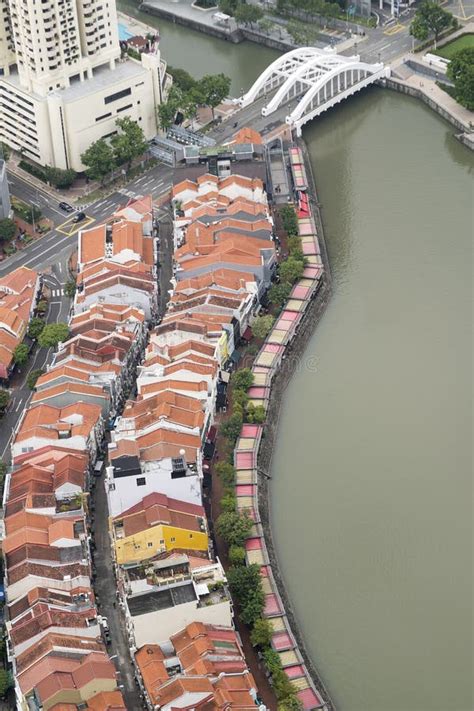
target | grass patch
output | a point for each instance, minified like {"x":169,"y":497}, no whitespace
{"x":450,"y":49}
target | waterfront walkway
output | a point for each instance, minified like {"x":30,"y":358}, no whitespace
{"x":249,"y":481}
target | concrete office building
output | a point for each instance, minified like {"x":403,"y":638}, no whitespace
{"x":63,"y":83}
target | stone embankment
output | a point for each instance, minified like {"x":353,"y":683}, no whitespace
{"x":281,"y":354}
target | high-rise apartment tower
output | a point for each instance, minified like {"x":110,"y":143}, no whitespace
{"x":63,"y":83}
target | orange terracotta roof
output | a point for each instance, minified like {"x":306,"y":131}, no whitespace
{"x":149,"y":660}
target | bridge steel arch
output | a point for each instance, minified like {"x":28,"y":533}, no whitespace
{"x":319,"y":78}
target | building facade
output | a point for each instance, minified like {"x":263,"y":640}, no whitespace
{"x":63,"y":82}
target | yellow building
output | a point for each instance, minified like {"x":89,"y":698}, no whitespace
{"x":158,"y":524}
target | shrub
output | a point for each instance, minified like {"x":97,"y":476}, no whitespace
{"x":289,"y":219}
{"x":70,"y":288}
{"x":245,"y":583}
{"x":7,"y":229}
{"x":4,"y":400}
{"x":240,"y":397}
{"x":228,"y":502}
{"x":262,"y":326}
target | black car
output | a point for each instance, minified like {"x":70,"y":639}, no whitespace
{"x":79,"y":216}
{"x":66,"y":207}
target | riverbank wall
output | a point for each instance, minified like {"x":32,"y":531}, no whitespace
{"x":234,"y":34}
{"x":280,"y":356}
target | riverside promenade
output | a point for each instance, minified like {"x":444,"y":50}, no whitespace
{"x":273,"y":366}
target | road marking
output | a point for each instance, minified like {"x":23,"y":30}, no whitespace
{"x":57,"y":292}
{"x":70,"y":228}
{"x":393,"y":30}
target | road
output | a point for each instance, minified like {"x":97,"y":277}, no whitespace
{"x":58,"y":310}
{"x":59,"y":243}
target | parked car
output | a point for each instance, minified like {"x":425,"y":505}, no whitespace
{"x":79,"y":216}
{"x":66,"y":207}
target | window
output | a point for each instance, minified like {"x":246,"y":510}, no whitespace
{"x":190,"y":535}
{"x":104,"y":116}
{"x":118,"y":95}
{"x":173,"y":540}
{"x":141,"y":481}
{"x":124,"y":108}
{"x":150,"y":545}
{"x":162,"y":542}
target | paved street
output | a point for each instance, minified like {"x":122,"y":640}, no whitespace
{"x":20,"y":392}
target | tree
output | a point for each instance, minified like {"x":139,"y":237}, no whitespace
{"x":4,"y":400}
{"x":233,"y":527}
{"x":265,"y":25}
{"x":461,"y":72}
{"x":290,"y":703}
{"x":21,"y":353}
{"x":52,"y":334}
{"x":255,"y":414}
{"x":242,"y":379}
{"x":253,"y":607}
{"x":215,"y":88}
{"x":228,"y":502}
{"x":181,"y":78}
{"x":262,"y":325}
{"x":237,"y":555}
{"x":99,"y":160}
{"x":60,"y":178}
{"x":70,"y":288}
{"x":247,"y":14}
{"x":7,"y":229}
{"x":245,"y":584}
{"x":35,"y":327}
{"x":130,"y":143}
{"x":226,"y":472}
{"x":33,"y":376}
{"x":291,"y":270}
{"x":289,"y":219}
{"x":42,"y":307}
{"x":231,"y":428}
{"x":167,"y":111}
{"x":262,"y":633}
{"x":240,"y":398}
{"x":278,"y":293}
{"x":431,"y":18}
{"x":6,"y":682}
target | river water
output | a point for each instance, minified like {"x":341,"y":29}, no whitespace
{"x":373,"y":517}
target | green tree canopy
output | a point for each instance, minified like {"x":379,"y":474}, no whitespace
{"x":226,"y":472}
{"x":461,"y":72}
{"x":215,"y":88}
{"x":228,"y":502}
{"x":7,"y":229}
{"x":35,"y":327}
{"x":291,"y":270}
{"x":247,"y":14}
{"x":242,"y":379}
{"x":33,"y":376}
{"x":278,"y":293}
{"x":6,"y":682}
{"x":70,"y":288}
{"x":231,"y":428}
{"x":262,"y":325}
{"x":262,"y":633}
{"x":289,"y":219}
{"x":52,"y":334}
{"x":237,"y":555}
{"x":21,"y":353}
{"x":233,"y":527}
{"x":99,"y":160}
{"x":245,"y":584}
{"x":181,"y":78}
{"x":129,"y":143}
{"x":60,"y":178}
{"x":430,"y":19}
{"x":4,"y":399}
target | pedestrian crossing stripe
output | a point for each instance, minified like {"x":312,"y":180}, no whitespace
{"x":131,"y":194}
{"x":57,"y":292}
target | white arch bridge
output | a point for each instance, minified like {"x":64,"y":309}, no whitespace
{"x":318,"y":78}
